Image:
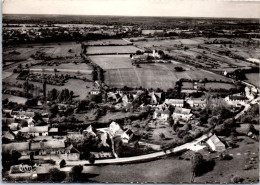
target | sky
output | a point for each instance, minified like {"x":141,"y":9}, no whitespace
{"x":183,"y":8}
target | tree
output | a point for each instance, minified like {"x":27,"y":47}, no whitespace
{"x":31,"y":102}
{"x":91,"y":159}
{"x":62,"y":163}
{"x":196,"y":162}
{"x":56,"y":175}
{"x":75,"y":173}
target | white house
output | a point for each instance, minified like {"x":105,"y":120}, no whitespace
{"x":174,"y":102}
{"x":197,"y":102}
{"x":215,"y":144}
{"x":35,"y":131}
{"x":181,"y":114}
{"x":161,"y":114}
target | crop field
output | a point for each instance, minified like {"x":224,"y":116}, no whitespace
{"x":108,"y":42}
{"x":154,"y":76}
{"x":112,"y":61}
{"x":111,"y":49}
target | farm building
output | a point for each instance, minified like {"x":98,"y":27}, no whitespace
{"x":215,"y":144}
{"x":181,"y":114}
{"x":162,"y":115}
{"x":236,"y":100}
{"x":9,"y":135}
{"x":174,"y":102}
{"x":35,"y":131}
{"x":196,"y":102}
{"x":14,"y":126}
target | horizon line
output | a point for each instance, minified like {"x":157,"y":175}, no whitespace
{"x":170,"y":16}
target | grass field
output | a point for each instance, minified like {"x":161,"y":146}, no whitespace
{"x":112,"y":61}
{"x":154,"y":76}
{"x":79,"y":66}
{"x":111,"y":49}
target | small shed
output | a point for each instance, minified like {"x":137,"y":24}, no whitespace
{"x":215,"y":144}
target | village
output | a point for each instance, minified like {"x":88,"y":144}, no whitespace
{"x":124,"y":95}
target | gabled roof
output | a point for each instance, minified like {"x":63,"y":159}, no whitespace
{"x":19,"y":146}
{"x":54,"y":130}
{"x":163,"y":111}
{"x":13,"y":126}
{"x":179,"y":110}
{"x":215,"y":140}
{"x":174,"y":101}
{"x":54,"y":144}
{"x":72,"y":149}
{"x":36,"y":129}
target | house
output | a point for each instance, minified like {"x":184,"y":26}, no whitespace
{"x":236,"y":100}
{"x":215,"y":144}
{"x":103,"y":137}
{"x":53,"y":131}
{"x":70,"y":154}
{"x":115,"y":130}
{"x":156,"y":54}
{"x":53,"y":147}
{"x":197,"y":102}
{"x":126,"y":136}
{"x":14,"y":126}
{"x":114,"y":96}
{"x":95,"y":91}
{"x":174,"y":102}
{"x":23,"y":114}
{"x":161,"y":114}
{"x":89,"y":130}
{"x":181,"y":113}
{"x":35,"y":130}
{"x":155,"y":97}
{"x":9,"y":135}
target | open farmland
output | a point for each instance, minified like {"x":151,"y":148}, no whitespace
{"x":18,"y":53}
{"x":111,"y":50}
{"x":112,"y":61}
{"x":155,"y":76}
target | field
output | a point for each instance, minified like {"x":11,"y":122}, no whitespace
{"x":108,"y":42}
{"x":253,"y":78}
{"x":52,"y":50}
{"x":112,"y":61}
{"x":111,"y":49}
{"x":155,"y":76}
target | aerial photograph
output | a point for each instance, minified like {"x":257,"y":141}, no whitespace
{"x":130,"y":91}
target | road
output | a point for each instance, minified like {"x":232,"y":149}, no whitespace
{"x":142,"y":158}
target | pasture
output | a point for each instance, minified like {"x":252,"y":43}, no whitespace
{"x":112,"y":61}
{"x":111,"y":49}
